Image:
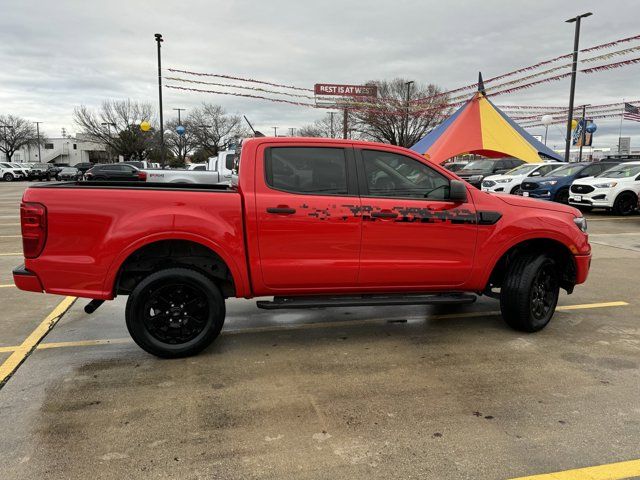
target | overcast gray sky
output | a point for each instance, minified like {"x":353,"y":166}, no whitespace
{"x":57,"y":55}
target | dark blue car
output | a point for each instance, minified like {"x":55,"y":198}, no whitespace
{"x":555,"y":187}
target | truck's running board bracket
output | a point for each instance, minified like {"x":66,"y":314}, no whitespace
{"x":365,"y":300}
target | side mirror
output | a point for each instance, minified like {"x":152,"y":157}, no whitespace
{"x":457,"y":191}
{"x":535,"y":174}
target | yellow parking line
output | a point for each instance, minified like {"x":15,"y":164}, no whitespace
{"x":9,"y":224}
{"x":307,"y":326}
{"x":10,"y":236}
{"x":9,"y":285}
{"x":612,"y":471}
{"x":21,"y":352}
{"x":10,"y":254}
{"x":591,"y":305}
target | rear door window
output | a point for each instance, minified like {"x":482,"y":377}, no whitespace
{"x":308,"y":170}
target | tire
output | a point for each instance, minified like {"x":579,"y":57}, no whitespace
{"x":529,"y":293}
{"x":516,"y":190}
{"x":563,"y":196}
{"x":202,"y":314}
{"x":625,"y":204}
{"x":8,"y":177}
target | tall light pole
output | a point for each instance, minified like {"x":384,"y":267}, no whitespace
{"x":159,"y":41}
{"x":275,"y":131}
{"x":406,"y":115}
{"x":179,"y":110}
{"x":572,"y":91}
{"x":38,"y":133}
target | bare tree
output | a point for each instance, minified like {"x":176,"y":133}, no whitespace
{"x":395,"y":118}
{"x":214,"y":127}
{"x":117,"y":125}
{"x":15,"y":133}
{"x":325,"y":127}
{"x":181,"y":145}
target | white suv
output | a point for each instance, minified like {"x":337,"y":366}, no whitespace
{"x":615,"y":189}
{"x":510,"y":181}
{"x":10,"y":172}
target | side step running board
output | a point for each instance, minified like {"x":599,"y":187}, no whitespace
{"x":365,"y":300}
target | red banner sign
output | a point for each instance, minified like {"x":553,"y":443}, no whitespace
{"x":346,"y":90}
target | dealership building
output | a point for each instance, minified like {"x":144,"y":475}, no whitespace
{"x":63,"y":150}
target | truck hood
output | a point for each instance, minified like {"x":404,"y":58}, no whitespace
{"x":517,"y":201}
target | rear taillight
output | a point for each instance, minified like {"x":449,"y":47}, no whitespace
{"x":142,"y":176}
{"x":33,"y":219}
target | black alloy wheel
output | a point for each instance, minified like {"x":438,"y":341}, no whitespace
{"x":529,"y":293}
{"x":625,"y":204}
{"x":175,"y":312}
{"x":563,"y":196}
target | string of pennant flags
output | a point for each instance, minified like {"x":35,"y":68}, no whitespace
{"x":295,"y":95}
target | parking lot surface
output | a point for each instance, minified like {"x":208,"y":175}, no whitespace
{"x":396,"y":392}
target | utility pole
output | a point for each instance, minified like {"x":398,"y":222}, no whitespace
{"x":162,"y":155}
{"x":292,"y":132}
{"x":406,"y":116}
{"x":179,"y":110}
{"x":332,"y":114}
{"x":38,"y":133}
{"x":572,"y":91}
{"x":345,"y":125}
{"x":275,"y":131}
{"x":109,"y":125}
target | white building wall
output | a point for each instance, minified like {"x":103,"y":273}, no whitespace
{"x":58,"y":150}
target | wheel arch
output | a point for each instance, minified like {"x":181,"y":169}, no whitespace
{"x":173,"y":249}
{"x":557,"y":249}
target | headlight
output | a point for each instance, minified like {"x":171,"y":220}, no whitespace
{"x":605,"y":185}
{"x":581,"y":222}
{"x":549,"y":182}
{"x":505,"y":180}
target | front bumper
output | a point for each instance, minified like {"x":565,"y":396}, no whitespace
{"x":583,"y":262}
{"x":593,"y":199}
{"x":540,"y":193}
{"x":26,"y":280}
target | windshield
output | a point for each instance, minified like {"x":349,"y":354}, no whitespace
{"x":522,"y":169}
{"x":483,"y":165}
{"x":621,"y":171}
{"x":566,"y":171}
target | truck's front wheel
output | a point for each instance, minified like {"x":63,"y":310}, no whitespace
{"x":529,"y":293}
{"x":175,"y":312}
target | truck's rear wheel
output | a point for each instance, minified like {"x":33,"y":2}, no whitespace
{"x":529,"y":293}
{"x":175,"y":312}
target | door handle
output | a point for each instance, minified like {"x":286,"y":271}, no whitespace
{"x":384,"y":214}
{"x":281,"y":210}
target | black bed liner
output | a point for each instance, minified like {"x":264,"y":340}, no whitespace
{"x":114,"y":185}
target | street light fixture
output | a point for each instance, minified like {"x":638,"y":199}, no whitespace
{"x":572,"y":91}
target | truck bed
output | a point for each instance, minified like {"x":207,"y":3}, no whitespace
{"x":93,"y":227}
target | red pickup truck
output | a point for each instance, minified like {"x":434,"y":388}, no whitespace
{"x":311,"y":222}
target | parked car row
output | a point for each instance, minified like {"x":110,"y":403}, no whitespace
{"x":611,"y":185}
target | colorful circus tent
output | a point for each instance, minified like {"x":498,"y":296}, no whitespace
{"x":482,"y":128}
